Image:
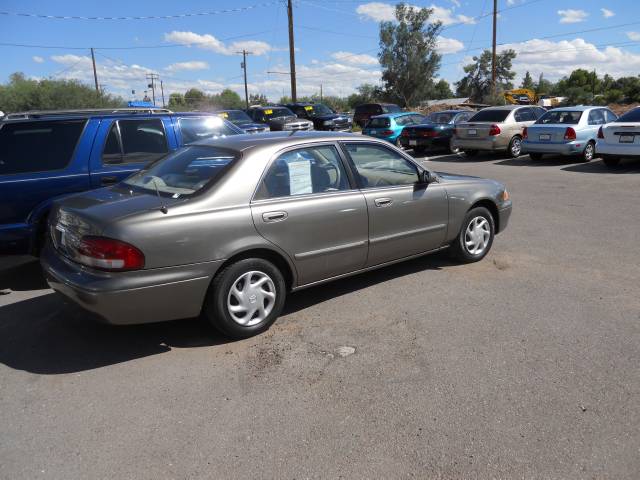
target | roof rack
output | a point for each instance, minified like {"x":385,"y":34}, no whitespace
{"x":89,"y":111}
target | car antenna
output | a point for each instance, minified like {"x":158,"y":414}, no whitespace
{"x":163,"y":208}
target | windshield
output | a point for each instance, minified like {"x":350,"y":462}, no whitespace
{"x":560,"y":116}
{"x":183,"y":172}
{"x":440,"y":117}
{"x":277,"y":112}
{"x":630,"y":116}
{"x":490,"y":115}
{"x":318,"y":109}
{"x":201,"y":128}
{"x":391,"y":108}
{"x":236,"y":116}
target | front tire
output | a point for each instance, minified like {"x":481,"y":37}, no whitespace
{"x":475,"y":237}
{"x":245,"y":298}
{"x":515,"y":147}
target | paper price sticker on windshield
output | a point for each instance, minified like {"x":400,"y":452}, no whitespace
{"x":224,"y":115}
{"x":308,"y":108}
{"x":268,"y":112}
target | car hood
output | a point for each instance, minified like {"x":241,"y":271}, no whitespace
{"x":93,"y":211}
{"x":251,"y":125}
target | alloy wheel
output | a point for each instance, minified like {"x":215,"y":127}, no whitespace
{"x":589,"y":151}
{"x":516,"y":147}
{"x":477,"y":235}
{"x":251,"y":298}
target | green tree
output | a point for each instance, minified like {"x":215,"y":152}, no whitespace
{"x":476,"y":84}
{"x":21,"y":94}
{"x":408,"y":54}
{"x":257,"y":99}
{"x":527,"y":82}
{"x":441,"y":90}
{"x":367,"y":93}
{"x":544,"y":86}
{"x":227,"y":99}
{"x":194,"y":98}
{"x":176,"y":101}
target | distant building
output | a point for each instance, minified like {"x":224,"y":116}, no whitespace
{"x":449,"y":102}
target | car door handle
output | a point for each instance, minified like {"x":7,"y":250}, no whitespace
{"x":109,"y":180}
{"x":383,"y":202}
{"x":274,"y":216}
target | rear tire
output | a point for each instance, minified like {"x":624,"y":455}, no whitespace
{"x":589,"y":152}
{"x":515,"y":147}
{"x":452,"y":147}
{"x":475,"y":237}
{"x":470,"y":153}
{"x":536,"y":157}
{"x":611,"y":162}
{"x":245,"y":298}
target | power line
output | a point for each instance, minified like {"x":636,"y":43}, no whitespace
{"x":142,"y":17}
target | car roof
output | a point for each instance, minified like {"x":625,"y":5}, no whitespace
{"x":454,"y":111}
{"x":507,"y":107}
{"x":47,"y":115}
{"x":283,"y":139}
{"x":396,"y":114}
{"x":579,"y":108}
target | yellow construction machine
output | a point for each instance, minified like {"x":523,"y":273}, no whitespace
{"x":524,"y":96}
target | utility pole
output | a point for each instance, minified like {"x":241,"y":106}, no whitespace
{"x":244,"y":67}
{"x":292,"y":53}
{"x":152,"y":77}
{"x":320,"y":93}
{"x":162,"y":91}
{"x":95,"y":74}
{"x":493,"y":54}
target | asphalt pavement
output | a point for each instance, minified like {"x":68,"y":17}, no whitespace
{"x":525,"y":365}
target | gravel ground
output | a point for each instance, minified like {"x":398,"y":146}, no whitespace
{"x":524,"y":365}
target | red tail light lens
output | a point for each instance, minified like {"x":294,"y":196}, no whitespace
{"x":429,"y":133}
{"x":525,"y":133}
{"x":570,"y":134}
{"x":109,"y":254}
{"x":600,"y":133}
{"x":495,"y":130}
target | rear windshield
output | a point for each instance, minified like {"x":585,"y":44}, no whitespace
{"x":441,"y":117}
{"x":391,"y":108}
{"x":38,"y":146}
{"x":368,"y":109}
{"x":490,"y":115}
{"x":183,"y":172}
{"x":236,"y":116}
{"x":630,"y":116}
{"x":277,"y":112}
{"x":200,"y":128}
{"x":560,"y":116}
{"x":379,"y":122}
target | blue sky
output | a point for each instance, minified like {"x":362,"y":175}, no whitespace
{"x":336,"y":41}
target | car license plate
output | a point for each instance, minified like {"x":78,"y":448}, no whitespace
{"x":626,"y":138}
{"x":372,"y":132}
{"x":545,"y":136}
{"x":413,"y":142}
{"x":472,"y":131}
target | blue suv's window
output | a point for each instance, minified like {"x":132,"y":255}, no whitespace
{"x":201,"y":128}
{"x":38,"y":146}
{"x":132,"y":141}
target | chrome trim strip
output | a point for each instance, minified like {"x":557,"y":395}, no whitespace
{"x":408,"y":233}
{"x":326,"y":251}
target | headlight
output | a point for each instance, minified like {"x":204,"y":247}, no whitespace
{"x":327,"y":123}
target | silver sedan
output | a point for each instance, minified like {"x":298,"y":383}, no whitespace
{"x":226,"y":228}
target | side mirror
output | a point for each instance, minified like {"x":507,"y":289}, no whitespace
{"x":426,"y":177}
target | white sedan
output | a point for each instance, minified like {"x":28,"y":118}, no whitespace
{"x":620,"y":138}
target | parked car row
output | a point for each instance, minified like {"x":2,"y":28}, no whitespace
{"x":582,"y":131}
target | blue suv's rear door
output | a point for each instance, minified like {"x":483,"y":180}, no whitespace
{"x":40,"y":160}
{"x":124,"y":146}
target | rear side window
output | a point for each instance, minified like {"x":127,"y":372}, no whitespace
{"x":596,"y":117}
{"x":132,"y":141}
{"x":38,"y":146}
{"x":524,"y":115}
{"x":490,"y":115}
{"x":200,"y":128}
{"x":630,"y":116}
{"x":567,"y":117}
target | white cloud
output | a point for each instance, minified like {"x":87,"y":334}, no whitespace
{"x":380,"y":12}
{"x":606,"y":13}
{"x":449,"y":45}
{"x":191,"y":66}
{"x":37,"y":59}
{"x":456,"y":3}
{"x":354,"y":59}
{"x":635,"y":36}
{"x":572,"y":16}
{"x":209,"y":42}
{"x":557,"y":59}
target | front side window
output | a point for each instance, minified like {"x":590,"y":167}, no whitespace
{"x":133,"y":141}
{"x":378,"y":166}
{"x":596,"y":117}
{"x":304,"y":171}
{"x":38,"y":146}
{"x":440,"y":117}
{"x":200,"y":128}
{"x":183,"y":172}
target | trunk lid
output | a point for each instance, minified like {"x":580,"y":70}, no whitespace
{"x":550,"y":133}
{"x":475,"y":129}
{"x":622,"y":133}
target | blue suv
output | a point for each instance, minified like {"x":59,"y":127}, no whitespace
{"x":50,"y":154}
